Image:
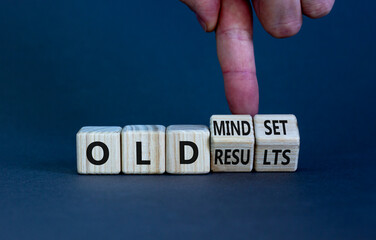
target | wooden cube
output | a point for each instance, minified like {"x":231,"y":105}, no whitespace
{"x":98,"y":150}
{"x":277,"y":143}
{"x":143,"y":149}
{"x":187,"y":149}
{"x":232,"y":143}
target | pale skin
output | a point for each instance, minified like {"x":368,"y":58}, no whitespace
{"x":232,"y":22}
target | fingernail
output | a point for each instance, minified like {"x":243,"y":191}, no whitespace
{"x":202,"y":23}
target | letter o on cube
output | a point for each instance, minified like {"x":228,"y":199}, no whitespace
{"x":98,"y":150}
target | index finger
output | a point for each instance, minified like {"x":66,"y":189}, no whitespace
{"x":236,"y":56}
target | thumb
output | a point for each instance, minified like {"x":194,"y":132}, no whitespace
{"x":206,"y":12}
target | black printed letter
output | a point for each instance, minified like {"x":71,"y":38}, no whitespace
{"x":266,"y":126}
{"x":89,"y":153}
{"x":139,"y":155}
{"x":182,"y":152}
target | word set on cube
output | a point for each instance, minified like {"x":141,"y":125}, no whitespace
{"x":235,"y":143}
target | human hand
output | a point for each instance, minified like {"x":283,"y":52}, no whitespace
{"x":232,"y":22}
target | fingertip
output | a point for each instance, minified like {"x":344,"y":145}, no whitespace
{"x":318,"y":8}
{"x":250,"y":109}
{"x":206,"y":12}
{"x":202,"y":23}
{"x":281,"y":19}
{"x":242,"y":93}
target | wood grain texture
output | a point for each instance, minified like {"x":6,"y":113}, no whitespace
{"x":178,"y":134}
{"x":152,"y":146}
{"x":277,"y":143}
{"x":110,"y":136}
{"x":232,"y":143}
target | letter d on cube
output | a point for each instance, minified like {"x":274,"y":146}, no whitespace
{"x":187,"y":149}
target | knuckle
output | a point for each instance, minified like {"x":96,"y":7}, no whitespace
{"x":317,"y":9}
{"x":283,"y":30}
{"x":236,"y":34}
